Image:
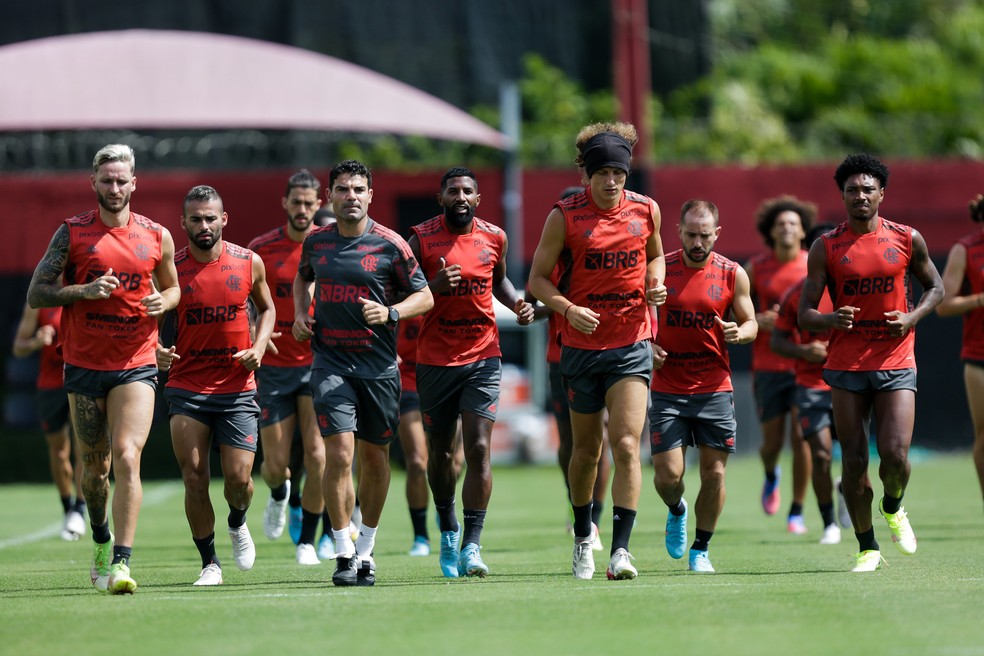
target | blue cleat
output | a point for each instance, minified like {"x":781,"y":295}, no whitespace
{"x":676,"y":532}
{"x":295,"y":516}
{"x":449,"y":554}
{"x":470,"y":562}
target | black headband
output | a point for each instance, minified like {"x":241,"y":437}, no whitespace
{"x":606,"y":149}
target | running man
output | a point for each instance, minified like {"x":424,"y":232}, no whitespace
{"x":354,"y":270}
{"x":865,"y":264}
{"x":459,"y":364}
{"x":692,"y":396}
{"x":113,"y":271}
{"x":211,"y":391}
{"x":609,"y":240}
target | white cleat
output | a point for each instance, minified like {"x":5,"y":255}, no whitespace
{"x":583,"y":563}
{"x":211,"y":575}
{"x":831,"y":534}
{"x":74,"y":526}
{"x":306,"y":554}
{"x":243,"y":549}
{"x":275,"y":516}
{"x":620,"y":567}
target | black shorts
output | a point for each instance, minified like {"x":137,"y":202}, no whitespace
{"x":863,"y":382}
{"x":278,"y":389}
{"x":446,"y":392}
{"x":678,"y":420}
{"x":368,"y":407}
{"x":775,"y":393}
{"x":815,"y":409}
{"x":231,"y":417}
{"x":558,"y":395}
{"x":409,"y":402}
{"x":97,"y":384}
{"x":588,"y":375}
{"x":52,"y":409}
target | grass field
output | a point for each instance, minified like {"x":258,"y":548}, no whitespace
{"x":774,"y":593}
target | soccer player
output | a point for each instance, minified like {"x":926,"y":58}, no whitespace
{"x":38,"y":332}
{"x":963,"y":284}
{"x":783,"y":223}
{"x":609,"y":240}
{"x":459,"y":363}
{"x":284,"y":382}
{"x":354,"y":270}
{"x":865,"y":264}
{"x":113,"y":271}
{"x":692,"y":397}
{"x":813,"y":401}
{"x":211,"y":390}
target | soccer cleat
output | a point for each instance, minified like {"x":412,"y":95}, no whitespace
{"x":74,"y":526}
{"x":868,"y":561}
{"x":421,"y":546}
{"x":346,"y":571}
{"x":211,"y":575}
{"x":366,"y":574}
{"x":326,"y":548}
{"x":275,"y":516}
{"x":620,"y":566}
{"x":796,"y":525}
{"x":306,"y":554}
{"x":243,"y":550}
{"x":295,"y":517}
{"x":120,"y":581}
{"x":843,"y":514}
{"x":102,"y":556}
{"x":596,"y":544}
{"x":770,"y":495}
{"x":470,"y":562}
{"x":902,"y":535}
{"x":449,"y":554}
{"x":831,"y":534}
{"x":582,"y":564}
{"x":676,"y":532}
{"x":700,"y":563}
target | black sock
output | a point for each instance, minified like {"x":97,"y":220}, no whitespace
{"x":100,"y":533}
{"x":66,"y":504}
{"x":122,"y":554}
{"x":279,"y":493}
{"x":80,"y":506}
{"x":474,"y":523}
{"x":795,"y":509}
{"x":701,"y":540}
{"x":867,"y":541}
{"x":891,"y":505}
{"x":309,"y":526}
{"x":326,"y":525}
{"x":237,"y":517}
{"x":418,"y":518}
{"x":582,"y":521}
{"x":445,"y":513}
{"x":622,"y":521}
{"x":827,"y":513}
{"x":295,"y":495}
{"x":772,"y":475}
{"x":596,"y":508}
{"x":678,"y":509}
{"x":206,"y":548}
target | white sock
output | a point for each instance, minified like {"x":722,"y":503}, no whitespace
{"x":366,"y":541}
{"x":343,"y":542}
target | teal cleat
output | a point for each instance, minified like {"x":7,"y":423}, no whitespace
{"x":676,"y":532}
{"x":449,"y":554}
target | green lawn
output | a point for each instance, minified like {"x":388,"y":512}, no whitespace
{"x":774,"y":593}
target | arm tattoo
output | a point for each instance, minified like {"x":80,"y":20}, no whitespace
{"x":45,"y":290}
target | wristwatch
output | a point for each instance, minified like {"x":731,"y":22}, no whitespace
{"x":394,"y":315}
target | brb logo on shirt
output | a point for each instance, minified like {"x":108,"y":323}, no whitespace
{"x":866,"y":286}
{"x":196,"y":316}
{"x":128,"y":281}
{"x":687,"y":319}
{"x":597,"y":260}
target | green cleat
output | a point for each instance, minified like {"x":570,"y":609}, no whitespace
{"x":119,"y":579}
{"x":868,"y":561}
{"x":102,"y":556}
{"x":898,"y":524}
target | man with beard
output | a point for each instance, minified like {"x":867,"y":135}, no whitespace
{"x":285,"y":380}
{"x":692,"y":397}
{"x":113,"y":271}
{"x":354,"y":271}
{"x":211,"y":390}
{"x":459,"y":363}
{"x":866,"y":264}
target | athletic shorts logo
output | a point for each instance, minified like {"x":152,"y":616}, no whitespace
{"x":656,"y":438}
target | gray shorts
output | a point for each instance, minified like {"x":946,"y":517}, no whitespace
{"x":368,"y":407}
{"x":775,"y":393}
{"x":707,"y":419}
{"x":862,"y":382}
{"x":231,"y":417}
{"x":816,"y":410}
{"x":446,"y":392}
{"x":588,"y":375}
{"x":52,"y":409}
{"x":278,"y":389}
{"x":97,"y":384}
